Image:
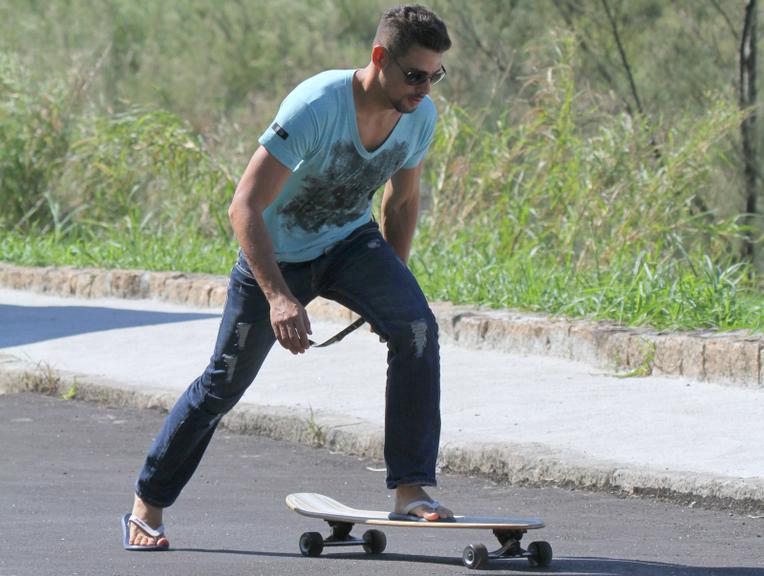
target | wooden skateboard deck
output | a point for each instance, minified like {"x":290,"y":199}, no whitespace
{"x":341,"y":519}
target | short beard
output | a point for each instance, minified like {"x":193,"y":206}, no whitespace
{"x":399,"y":107}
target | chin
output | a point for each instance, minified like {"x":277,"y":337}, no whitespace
{"x":405,"y":107}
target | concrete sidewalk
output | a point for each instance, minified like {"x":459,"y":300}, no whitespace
{"x":527,"y":419}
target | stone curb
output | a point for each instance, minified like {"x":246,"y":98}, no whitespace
{"x":733,"y":358}
{"x":518,"y":464}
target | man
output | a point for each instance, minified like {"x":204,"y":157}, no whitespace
{"x":302,"y":215}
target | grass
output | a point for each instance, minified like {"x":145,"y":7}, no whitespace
{"x":71,"y":393}
{"x":567,"y":210}
{"x":45,"y":380}
{"x":116,"y":248}
{"x":316,"y":432}
{"x":663,"y":296}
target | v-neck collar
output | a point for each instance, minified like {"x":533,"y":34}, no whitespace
{"x":354,"y":122}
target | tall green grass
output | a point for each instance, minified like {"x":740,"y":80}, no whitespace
{"x":68,"y":170}
{"x":186,"y":251}
{"x":565,"y":210}
{"x":581,"y":213}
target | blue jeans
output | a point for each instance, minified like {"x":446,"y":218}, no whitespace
{"x":361,"y":272}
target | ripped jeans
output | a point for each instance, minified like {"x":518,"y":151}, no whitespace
{"x":361,"y":272}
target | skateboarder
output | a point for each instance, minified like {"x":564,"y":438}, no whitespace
{"x":302,"y":216}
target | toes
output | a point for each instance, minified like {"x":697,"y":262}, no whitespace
{"x":139,"y":538}
{"x":426,"y":513}
{"x":439,"y":513}
{"x":444,"y":512}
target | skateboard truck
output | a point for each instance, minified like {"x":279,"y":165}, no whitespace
{"x":312,"y":543}
{"x":476,"y":556}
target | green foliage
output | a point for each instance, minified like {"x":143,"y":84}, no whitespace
{"x":70,"y":394}
{"x":124,"y":124}
{"x":199,"y":59}
{"x":185,"y":250}
{"x":66,"y":169}
{"x":144,"y":170}
{"x":35,"y":130}
{"x":664,"y":295}
{"x":571,"y":180}
{"x":572,"y":212}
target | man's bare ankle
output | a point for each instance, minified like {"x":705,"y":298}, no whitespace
{"x":409,"y":490}
{"x":147,"y":512}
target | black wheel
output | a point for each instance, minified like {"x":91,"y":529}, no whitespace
{"x":541,"y":554}
{"x":475,"y":556}
{"x":374,"y":541}
{"x":311,"y":544}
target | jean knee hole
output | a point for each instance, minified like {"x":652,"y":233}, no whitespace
{"x":242,"y":331}
{"x":419,"y":330}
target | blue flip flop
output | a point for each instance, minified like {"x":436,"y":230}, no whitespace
{"x":127,"y":519}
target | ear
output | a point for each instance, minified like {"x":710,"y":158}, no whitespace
{"x":378,"y":56}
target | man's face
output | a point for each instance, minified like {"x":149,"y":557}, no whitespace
{"x":417,"y":63}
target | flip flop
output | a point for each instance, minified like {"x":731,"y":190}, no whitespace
{"x":406,"y":514}
{"x":127,"y":519}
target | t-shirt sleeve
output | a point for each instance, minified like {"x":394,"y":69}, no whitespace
{"x":294,"y":133}
{"x":425,"y":139}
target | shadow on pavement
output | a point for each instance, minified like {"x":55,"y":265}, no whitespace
{"x":235,"y":552}
{"x":617,"y":566}
{"x":21,"y":325}
{"x":564,"y":566}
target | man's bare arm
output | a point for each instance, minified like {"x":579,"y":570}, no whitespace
{"x":400,"y":210}
{"x":260,"y":184}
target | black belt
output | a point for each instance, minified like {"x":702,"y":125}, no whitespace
{"x":339,"y":336}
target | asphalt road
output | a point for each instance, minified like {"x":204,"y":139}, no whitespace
{"x":67,"y":469}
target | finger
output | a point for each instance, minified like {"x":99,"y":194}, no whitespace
{"x":303,"y":341}
{"x":301,"y":332}
{"x":284,"y":335}
{"x":306,"y":321}
{"x":298,"y":339}
{"x":292,"y":340}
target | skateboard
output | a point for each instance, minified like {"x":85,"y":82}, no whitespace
{"x":342,"y":518}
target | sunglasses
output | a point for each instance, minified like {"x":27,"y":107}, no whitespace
{"x":416,"y":77}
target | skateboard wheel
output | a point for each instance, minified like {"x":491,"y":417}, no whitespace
{"x":374,"y":541}
{"x":475,"y":556}
{"x":311,"y":544}
{"x":540,"y":554}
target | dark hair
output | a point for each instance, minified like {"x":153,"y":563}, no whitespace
{"x":403,"y":26}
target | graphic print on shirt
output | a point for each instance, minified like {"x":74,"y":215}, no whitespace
{"x":342,"y":193}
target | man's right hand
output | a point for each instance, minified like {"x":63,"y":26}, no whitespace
{"x":290,"y":323}
{"x":261,"y":183}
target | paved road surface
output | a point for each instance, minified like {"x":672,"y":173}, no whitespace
{"x":67,"y":471}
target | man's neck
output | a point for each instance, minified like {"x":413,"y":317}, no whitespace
{"x":369,"y":99}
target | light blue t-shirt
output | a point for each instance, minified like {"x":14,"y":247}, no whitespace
{"x":328,"y":194}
